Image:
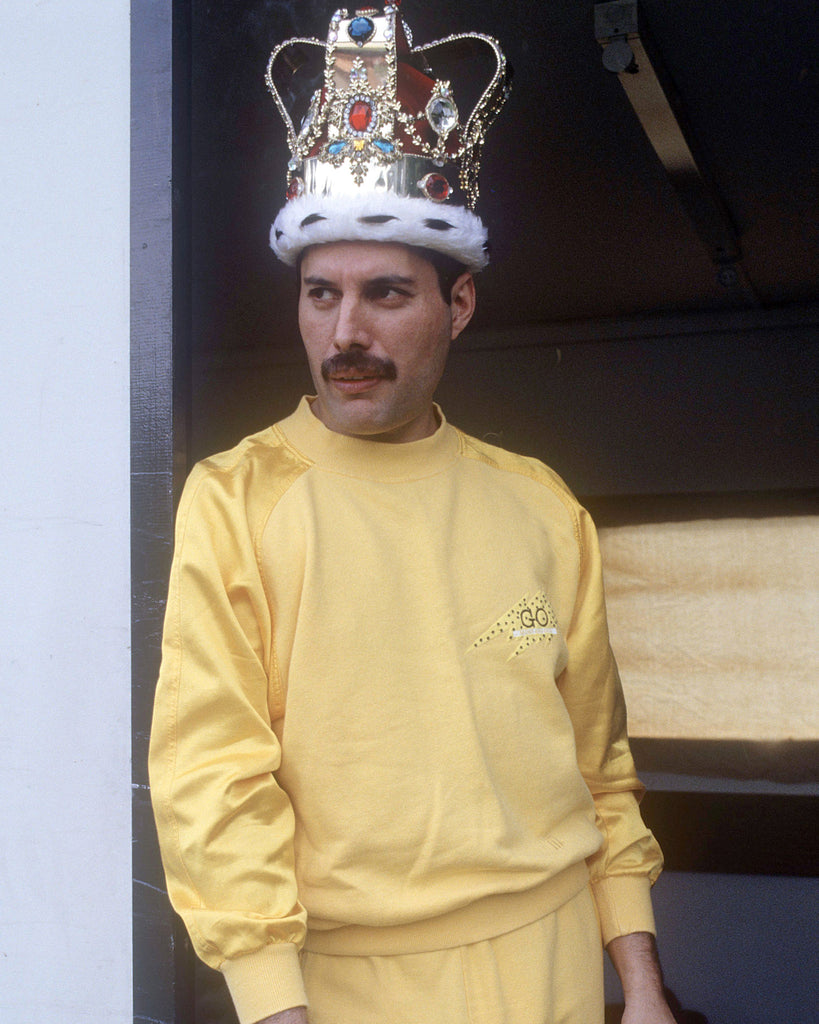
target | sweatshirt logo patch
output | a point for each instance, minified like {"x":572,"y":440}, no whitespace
{"x":531,"y":621}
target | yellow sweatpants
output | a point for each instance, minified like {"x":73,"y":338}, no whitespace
{"x":548,"y":972}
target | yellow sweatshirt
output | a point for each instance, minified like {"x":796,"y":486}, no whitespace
{"x":387,"y":708}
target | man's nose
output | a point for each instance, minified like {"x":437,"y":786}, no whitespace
{"x":350,"y":326}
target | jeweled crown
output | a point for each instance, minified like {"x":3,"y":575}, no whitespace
{"x":380,"y":130}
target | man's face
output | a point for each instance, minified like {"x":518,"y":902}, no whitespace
{"x":377,"y":332}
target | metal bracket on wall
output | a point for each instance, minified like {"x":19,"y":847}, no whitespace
{"x":628,"y":52}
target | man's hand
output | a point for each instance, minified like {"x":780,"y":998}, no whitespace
{"x":636,"y":962}
{"x":295,"y":1015}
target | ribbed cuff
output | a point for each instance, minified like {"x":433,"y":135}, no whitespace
{"x":623,"y":905}
{"x":265,"y":982}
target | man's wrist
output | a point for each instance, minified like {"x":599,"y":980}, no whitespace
{"x":637,"y":963}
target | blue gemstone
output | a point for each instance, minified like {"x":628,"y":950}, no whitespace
{"x":361,"y":30}
{"x":384,"y":145}
{"x":336,"y":147}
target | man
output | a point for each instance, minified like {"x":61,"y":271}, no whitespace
{"x":389,"y":761}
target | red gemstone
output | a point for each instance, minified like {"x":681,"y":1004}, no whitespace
{"x":436,"y":187}
{"x":295,"y":188}
{"x":360,"y":116}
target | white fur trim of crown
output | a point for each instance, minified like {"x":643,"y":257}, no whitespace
{"x":379,"y":217}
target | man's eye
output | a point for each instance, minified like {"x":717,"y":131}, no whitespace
{"x":320,"y":294}
{"x":388,"y":291}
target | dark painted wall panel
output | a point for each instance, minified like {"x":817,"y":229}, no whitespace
{"x":713,"y":411}
{"x":716,"y":412}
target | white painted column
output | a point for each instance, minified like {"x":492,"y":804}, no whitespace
{"x":65,"y":895}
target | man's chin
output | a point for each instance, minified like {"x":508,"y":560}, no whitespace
{"x":352,"y":413}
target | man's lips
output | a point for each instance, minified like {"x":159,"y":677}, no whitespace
{"x":355,"y":385}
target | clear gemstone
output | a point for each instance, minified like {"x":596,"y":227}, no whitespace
{"x":310,"y":116}
{"x":442,"y":114}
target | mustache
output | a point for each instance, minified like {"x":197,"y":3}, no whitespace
{"x":361,"y":362}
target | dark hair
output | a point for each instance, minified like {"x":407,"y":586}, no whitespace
{"x":446,"y":267}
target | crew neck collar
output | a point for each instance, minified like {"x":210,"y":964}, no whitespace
{"x":356,"y":456}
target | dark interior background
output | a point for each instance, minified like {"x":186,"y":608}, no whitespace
{"x":607,"y":342}
{"x":604,"y":341}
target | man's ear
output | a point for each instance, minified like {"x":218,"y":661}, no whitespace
{"x":463,"y":303}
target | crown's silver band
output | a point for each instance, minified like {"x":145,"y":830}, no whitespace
{"x":400,"y":178}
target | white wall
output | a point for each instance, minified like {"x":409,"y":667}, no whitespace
{"x":65,"y":902}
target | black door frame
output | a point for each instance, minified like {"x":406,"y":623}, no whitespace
{"x":160,"y":332}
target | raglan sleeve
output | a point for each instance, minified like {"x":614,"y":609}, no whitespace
{"x":629,"y":860}
{"x":225,"y":827}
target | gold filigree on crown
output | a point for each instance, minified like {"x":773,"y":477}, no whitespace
{"x":380,"y":107}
